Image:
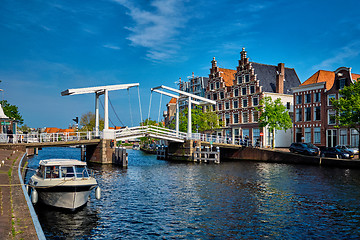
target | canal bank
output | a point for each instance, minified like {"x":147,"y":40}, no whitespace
{"x":281,"y":156}
{"x":15,"y":218}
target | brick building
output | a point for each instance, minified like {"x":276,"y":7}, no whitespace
{"x":314,"y":116}
{"x":238,"y":92}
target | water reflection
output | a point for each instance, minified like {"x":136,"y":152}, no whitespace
{"x":233,"y":200}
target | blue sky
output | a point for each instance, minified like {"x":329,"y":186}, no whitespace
{"x":47,"y":46}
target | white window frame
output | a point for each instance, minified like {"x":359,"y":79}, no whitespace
{"x":330,"y":96}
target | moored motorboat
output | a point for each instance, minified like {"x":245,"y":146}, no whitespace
{"x":63,"y":183}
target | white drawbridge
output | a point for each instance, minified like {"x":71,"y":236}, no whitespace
{"x":149,"y":131}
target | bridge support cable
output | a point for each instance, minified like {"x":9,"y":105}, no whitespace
{"x":102,"y":105}
{"x":149,"y":106}
{"x":140,"y":104}
{"x":117,"y":116}
{"x":159,"y":109}
{"x":132,"y":124}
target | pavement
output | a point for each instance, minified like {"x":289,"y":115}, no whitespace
{"x":15,"y":218}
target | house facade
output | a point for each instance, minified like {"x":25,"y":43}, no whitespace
{"x":238,"y":92}
{"x":314,"y":119}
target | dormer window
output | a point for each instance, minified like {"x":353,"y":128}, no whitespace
{"x":342,"y":83}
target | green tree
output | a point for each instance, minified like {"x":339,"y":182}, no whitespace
{"x":11,"y":111}
{"x":201,"y":121}
{"x":274,"y":115}
{"x":348,"y":107}
{"x":148,"y":121}
{"x":87,"y":122}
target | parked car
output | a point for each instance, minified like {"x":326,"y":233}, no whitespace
{"x":354,"y":151}
{"x":334,"y":152}
{"x":304,"y":148}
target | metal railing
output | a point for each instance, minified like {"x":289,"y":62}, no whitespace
{"x":46,"y":137}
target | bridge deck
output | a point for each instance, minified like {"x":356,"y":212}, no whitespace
{"x":52,"y":144}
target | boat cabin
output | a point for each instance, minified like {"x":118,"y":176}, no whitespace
{"x":55,"y":169}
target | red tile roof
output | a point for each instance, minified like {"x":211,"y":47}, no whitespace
{"x":325,"y":76}
{"x":173,"y":100}
{"x":228,"y":76}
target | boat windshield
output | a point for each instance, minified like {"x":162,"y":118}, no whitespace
{"x":81,"y":172}
{"x":67,"y":172}
{"x":52,"y":172}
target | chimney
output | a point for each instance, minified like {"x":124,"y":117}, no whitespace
{"x":280,"y":78}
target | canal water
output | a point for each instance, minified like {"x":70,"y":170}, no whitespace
{"x":156,"y":199}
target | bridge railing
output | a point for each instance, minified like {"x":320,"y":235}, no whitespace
{"x":165,"y":131}
{"x":46,"y":137}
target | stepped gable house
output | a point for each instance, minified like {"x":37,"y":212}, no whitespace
{"x":238,"y":92}
{"x":314,"y":116}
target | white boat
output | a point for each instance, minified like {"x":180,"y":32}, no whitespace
{"x":63,"y":183}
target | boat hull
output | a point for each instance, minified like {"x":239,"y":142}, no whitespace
{"x":69,"y":197}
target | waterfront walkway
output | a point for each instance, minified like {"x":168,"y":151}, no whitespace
{"x":15,"y":219}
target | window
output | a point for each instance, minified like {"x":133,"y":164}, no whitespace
{"x":221,"y":95}
{"x":255,"y":116}
{"x":67,"y":172}
{"x":354,"y":138}
{"x":215,"y":96}
{"x":331,"y":117}
{"x":317,"y":135}
{"x":298,"y":115}
{"x":317,"y":114}
{"x":245,"y":103}
{"x":245,"y":117}
{"x":243,"y":91}
{"x":317,"y":97}
{"x":288,"y":105}
{"x":219,"y":107}
{"x":298,"y":99}
{"x":343,"y":137}
{"x":308,"y":114}
{"x":245,"y":132}
{"x":217,"y":84}
{"x":256,"y":135}
{"x":211,"y":86}
{"x":81,"y":172}
{"x":213,"y":107}
{"x":307,"y":135}
{"x":236,"y":104}
{"x":236,"y":92}
{"x":331,"y":96}
{"x":208,"y":96}
{"x":255,"y":101}
{"x":236,"y":118}
{"x":308,"y":98}
{"x":252,"y":89}
{"x":239,"y":79}
{"x":342,"y":83}
{"x":52,"y":172}
{"x":227,"y":105}
{"x":227,"y":119}
{"x":247,"y":78}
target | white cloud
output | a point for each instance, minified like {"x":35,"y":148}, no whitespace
{"x":350,"y":51}
{"x":111,"y":46}
{"x":156,"y":27}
